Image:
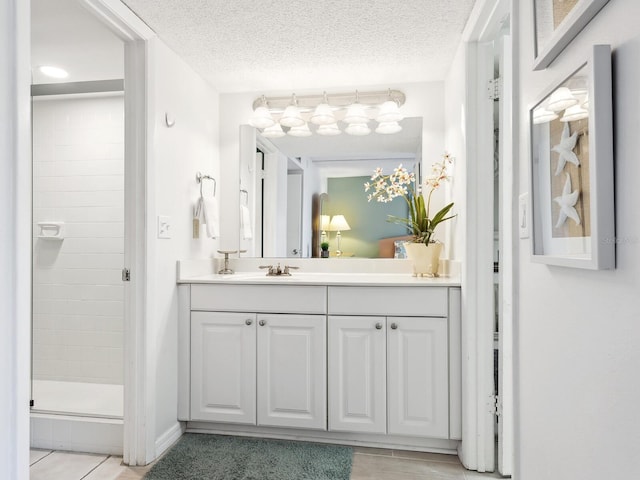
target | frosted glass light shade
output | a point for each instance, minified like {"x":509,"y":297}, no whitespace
{"x":387,"y":128}
{"x":291,"y":117}
{"x":328,"y":130}
{"x":274,"y":131}
{"x":262,"y":118}
{"x":323,"y":115}
{"x":300,"y":131}
{"x":542,"y":115}
{"x":389,"y":112}
{"x":356,"y":114}
{"x":560,"y":99}
{"x":574,"y":113}
{"x":358,"y":129}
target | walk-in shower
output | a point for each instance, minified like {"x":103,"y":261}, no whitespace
{"x":78,"y":253}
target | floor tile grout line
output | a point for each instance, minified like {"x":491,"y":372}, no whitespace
{"x":94,"y":468}
{"x":444,"y":462}
{"x":41,"y":458}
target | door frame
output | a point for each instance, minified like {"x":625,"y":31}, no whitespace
{"x":139,"y":411}
{"x":477,"y":450}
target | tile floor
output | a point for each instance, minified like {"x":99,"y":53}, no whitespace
{"x":368,"y":463}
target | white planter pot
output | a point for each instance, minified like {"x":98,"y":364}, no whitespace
{"x":424,"y":258}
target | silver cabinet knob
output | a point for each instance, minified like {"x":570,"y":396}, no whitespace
{"x":378,"y":326}
{"x":394,"y":326}
{"x":262,"y":323}
{"x":248,"y":321}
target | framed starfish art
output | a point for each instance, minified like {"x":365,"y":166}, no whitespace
{"x":572,"y":168}
{"x":556,"y":23}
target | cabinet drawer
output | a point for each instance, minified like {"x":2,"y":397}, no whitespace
{"x":410,"y":301}
{"x":260,"y":298}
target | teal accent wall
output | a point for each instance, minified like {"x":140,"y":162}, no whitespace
{"x":368,"y":220}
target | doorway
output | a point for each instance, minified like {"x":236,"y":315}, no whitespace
{"x":78,"y":249}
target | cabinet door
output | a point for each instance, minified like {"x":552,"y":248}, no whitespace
{"x":417,"y":376}
{"x":223,"y":367}
{"x":357,"y":374}
{"x":292,"y":371}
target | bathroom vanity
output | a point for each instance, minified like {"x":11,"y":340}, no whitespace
{"x":360,"y":358}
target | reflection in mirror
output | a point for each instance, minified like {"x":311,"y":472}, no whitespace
{"x":561,"y":164}
{"x":293,"y":183}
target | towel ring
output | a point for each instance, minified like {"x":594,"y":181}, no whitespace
{"x":200,"y":177}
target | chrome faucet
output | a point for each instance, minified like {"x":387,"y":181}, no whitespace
{"x":276,"y":271}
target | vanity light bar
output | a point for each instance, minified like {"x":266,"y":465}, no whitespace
{"x":336,"y":100}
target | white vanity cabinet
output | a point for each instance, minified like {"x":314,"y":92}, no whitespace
{"x":362,"y":362}
{"x":389,"y":375}
{"x":396,"y":356}
{"x":223,"y":367}
{"x":248,"y":367}
{"x":292,"y":373}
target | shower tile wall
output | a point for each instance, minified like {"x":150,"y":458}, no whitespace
{"x":78,"y":179}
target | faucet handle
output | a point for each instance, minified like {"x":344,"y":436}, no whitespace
{"x":287,"y":268}
{"x":271,"y":270}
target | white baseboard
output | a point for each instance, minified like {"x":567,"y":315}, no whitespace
{"x":169,"y":437}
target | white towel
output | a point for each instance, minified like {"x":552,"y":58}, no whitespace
{"x":211,"y":217}
{"x":245,"y":223}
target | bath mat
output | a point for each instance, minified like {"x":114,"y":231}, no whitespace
{"x":220,"y":457}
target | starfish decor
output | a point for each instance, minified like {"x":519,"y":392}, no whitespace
{"x":565,"y":149}
{"x":567,"y":201}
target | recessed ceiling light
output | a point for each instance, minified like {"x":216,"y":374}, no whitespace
{"x":54,"y":72}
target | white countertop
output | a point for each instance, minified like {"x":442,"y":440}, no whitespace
{"x":313,"y":278}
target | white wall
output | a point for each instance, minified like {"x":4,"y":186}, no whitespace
{"x":578,"y":333}
{"x":175,"y":154}
{"x":455,"y":143}
{"x":15,"y":253}
{"x":78,"y":296}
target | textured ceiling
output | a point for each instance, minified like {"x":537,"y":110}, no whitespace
{"x":271,"y":45}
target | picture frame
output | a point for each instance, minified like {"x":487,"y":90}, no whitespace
{"x":572,"y":183}
{"x":556,"y":23}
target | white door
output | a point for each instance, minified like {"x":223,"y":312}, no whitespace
{"x":292,"y":372}
{"x":357,"y":374}
{"x":223,"y":367}
{"x":417,"y":376}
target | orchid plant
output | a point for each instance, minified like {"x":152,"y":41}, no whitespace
{"x":401,"y":183}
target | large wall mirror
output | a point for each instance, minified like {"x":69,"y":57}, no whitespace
{"x":296,"y":193}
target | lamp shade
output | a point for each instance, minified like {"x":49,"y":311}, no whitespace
{"x":324,"y":222}
{"x":291,"y":117}
{"x":542,"y":115}
{"x":387,"y":128}
{"x":323,"y":115}
{"x":330,"y":129}
{"x":356,"y":114}
{"x":574,"y":113}
{"x":274,"y":131}
{"x":262,"y":118}
{"x":358,"y":129}
{"x":389,"y":112}
{"x":560,"y":99}
{"x":300,"y":131}
{"x":338,"y":222}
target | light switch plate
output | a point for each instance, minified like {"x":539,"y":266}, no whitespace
{"x":524,"y":221}
{"x":164,"y":226}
